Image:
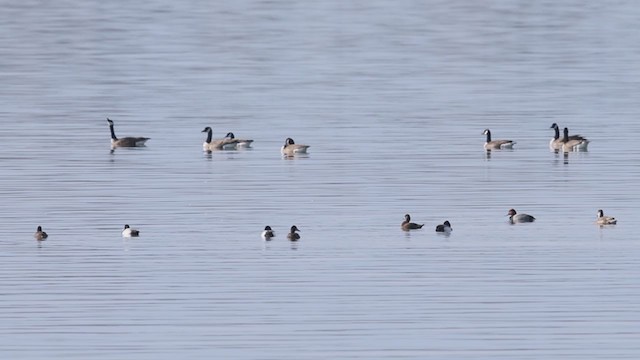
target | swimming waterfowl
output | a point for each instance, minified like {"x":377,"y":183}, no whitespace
{"x":267,"y":234}
{"x":218,"y":144}
{"x":519,"y":218}
{"x":496,"y":144}
{"x":290,"y":148}
{"x":39,"y":234}
{"x":408,"y":225}
{"x":577,"y":144}
{"x":605,"y":220}
{"x":126,"y":141}
{"x":241,"y":142}
{"x":129,"y":232}
{"x":557,"y":142}
{"x":293,"y":235}
{"x":444,"y":227}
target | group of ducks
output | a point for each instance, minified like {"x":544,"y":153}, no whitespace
{"x":126,"y":232}
{"x":408,"y":225}
{"x":268,"y":233}
{"x":229,"y":142}
{"x":567,"y":143}
{"x":514,"y":218}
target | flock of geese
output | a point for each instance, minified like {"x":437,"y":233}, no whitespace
{"x":566,"y":143}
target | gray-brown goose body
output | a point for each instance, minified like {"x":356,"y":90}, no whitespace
{"x":290,"y":148}
{"x":496,"y":144}
{"x":605,"y":220}
{"x":557,"y":141}
{"x":577,"y":144}
{"x":125,"y":141}
{"x":242,"y":143}
{"x":211,"y":144}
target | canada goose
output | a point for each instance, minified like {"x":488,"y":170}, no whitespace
{"x":129,"y":232}
{"x":293,"y":235}
{"x":578,"y":144}
{"x":267,"y":234}
{"x":40,"y":235}
{"x":126,"y":141}
{"x":290,"y":148}
{"x":408,"y":225}
{"x":496,"y":144}
{"x":519,"y":218}
{"x":218,"y":144}
{"x":556,"y":142}
{"x":444,"y":227}
{"x":605,"y":220}
{"x":241,"y":142}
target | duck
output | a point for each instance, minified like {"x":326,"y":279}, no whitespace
{"x":556,"y":142}
{"x":267,"y":234}
{"x":40,"y":235}
{"x":577,"y":144}
{"x":126,"y":141}
{"x":246,"y":143}
{"x":605,"y":220}
{"x":129,"y":232}
{"x":496,"y":144}
{"x":290,"y":148}
{"x":293,"y":235}
{"x":408,"y":225}
{"x":444,"y":227}
{"x":217,"y":144}
{"x":519,"y":218}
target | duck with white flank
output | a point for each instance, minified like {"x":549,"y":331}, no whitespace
{"x":519,"y":218}
{"x":267,"y":234}
{"x":444,"y":227}
{"x":129,"y":232}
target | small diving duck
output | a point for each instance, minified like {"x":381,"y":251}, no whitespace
{"x":40,"y":235}
{"x":129,"y":232}
{"x":267,"y":234}
{"x":514,"y":217}
{"x":408,"y":225}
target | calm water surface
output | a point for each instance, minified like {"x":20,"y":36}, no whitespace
{"x":393,"y":99}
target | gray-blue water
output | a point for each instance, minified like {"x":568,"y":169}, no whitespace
{"x":393,"y":98}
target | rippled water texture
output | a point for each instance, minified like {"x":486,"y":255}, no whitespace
{"x":393,"y":98}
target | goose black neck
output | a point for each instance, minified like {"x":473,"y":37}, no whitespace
{"x":488,"y":136}
{"x":557,"y":136}
{"x":113,"y":133}
{"x":209,"y":136}
{"x":566,"y":135}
